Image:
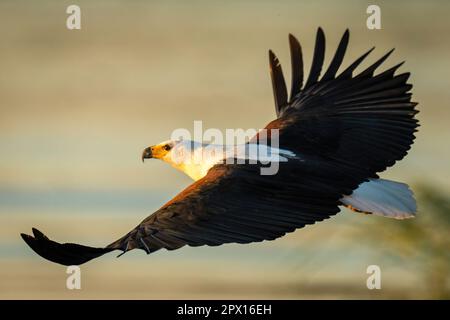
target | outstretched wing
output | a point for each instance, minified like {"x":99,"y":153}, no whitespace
{"x":235,"y":203}
{"x":63,"y":253}
{"x":232,"y":203}
{"x":364,"y":120}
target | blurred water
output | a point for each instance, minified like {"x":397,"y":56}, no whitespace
{"x":111,"y":202}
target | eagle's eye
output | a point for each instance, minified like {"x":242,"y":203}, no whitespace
{"x":167,"y":147}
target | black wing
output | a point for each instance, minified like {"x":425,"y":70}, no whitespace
{"x":364,"y":120}
{"x":232,"y":203}
{"x":63,"y":253}
{"x":235,"y":203}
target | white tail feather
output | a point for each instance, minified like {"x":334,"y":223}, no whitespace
{"x":383,"y":198}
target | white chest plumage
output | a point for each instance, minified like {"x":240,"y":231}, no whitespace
{"x":195,"y":159}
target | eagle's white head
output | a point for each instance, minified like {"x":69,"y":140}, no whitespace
{"x":185,"y":155}
{"x":159,"y":151}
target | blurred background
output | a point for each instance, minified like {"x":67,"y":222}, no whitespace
{"x":78,"y":107}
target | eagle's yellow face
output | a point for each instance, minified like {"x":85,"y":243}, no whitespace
{"x":158,"y":151}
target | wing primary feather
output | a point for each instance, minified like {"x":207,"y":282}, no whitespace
{"x":349,"y":71}
{"x":278,"y":83}
{"x":63,"y":253}
{"x":338,"y":57}
{"x":371,"y":69}
{"x":319,"y":55}
{"x":391,"y":71}
{"x":39,"y":235}
{"x":297,"y":66}
{"x":147,"y":249}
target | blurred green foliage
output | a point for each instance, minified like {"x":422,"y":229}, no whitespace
{"x":422,"y":243}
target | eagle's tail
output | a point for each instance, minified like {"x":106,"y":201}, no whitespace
{"x":63,"y":253}
{"x":383,"y":198}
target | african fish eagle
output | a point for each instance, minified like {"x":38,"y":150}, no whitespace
{"x":336,"y":133}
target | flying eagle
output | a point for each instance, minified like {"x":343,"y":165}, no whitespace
{"x":336,"y":132}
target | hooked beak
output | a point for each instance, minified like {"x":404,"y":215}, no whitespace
{"x":147,"y":153}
